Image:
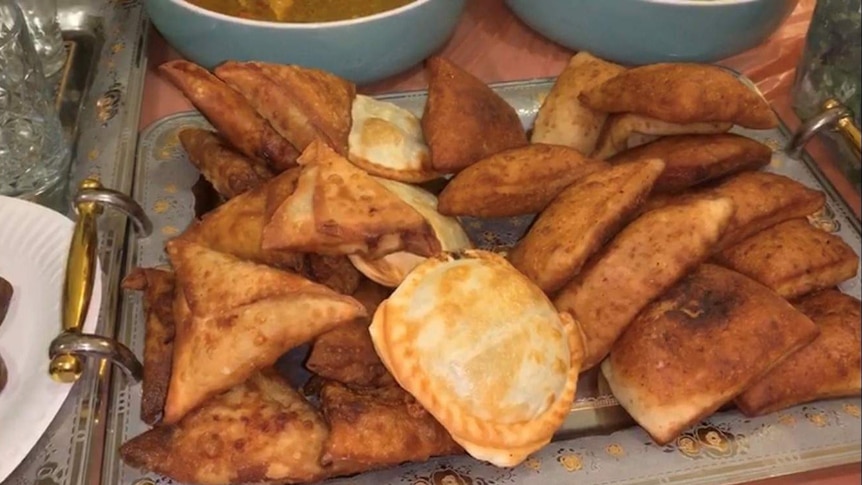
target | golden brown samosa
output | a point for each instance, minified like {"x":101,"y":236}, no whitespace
{"x":229,"y":172}
{"x":625,"y":131}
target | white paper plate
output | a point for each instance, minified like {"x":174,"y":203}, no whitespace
{"x":34,"y":246}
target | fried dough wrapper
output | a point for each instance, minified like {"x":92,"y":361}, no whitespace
{"x":625,"y":131}
{"x":236,"y":227}
{"x":262,"y":430}
{"x":828,"y":367}
{"x":694,"y":159}
{"x":515,"y":182}
{"x":229,"y":172}
{"x":562,"y":118}
{"x":231,"y":115}
{"x":379,"y":427}
{"x":645,"y":259}
{"x":581,"y":220}
{"x":339,"y":209}
{"x":158,"y":287}
{"x":465,"y":120}
{"x":243,"y":316}
{"x":682,"y":93}
{"x":792,"y":258}
{"x":700,"y":345}
{"x":335,"y":272}
{"x":302,"y":104}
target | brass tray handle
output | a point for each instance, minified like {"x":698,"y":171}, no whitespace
{"x":834,"y":116}
{"x":69,"y":348}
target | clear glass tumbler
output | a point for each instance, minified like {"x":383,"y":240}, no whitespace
{"x":41,"y":18}
{"x":34,"y":155}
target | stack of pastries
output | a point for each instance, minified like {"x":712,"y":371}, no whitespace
{"x":659,"y":253}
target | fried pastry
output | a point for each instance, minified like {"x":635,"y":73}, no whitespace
{"x":302,"y":104}
{"x":375,"y":428}
{"x":515,"y":182}
{"x":792,"y":258}
{"x":259,"y":431}
{"x":387,"y":141}
{"x":336,"y":272}
{"x":241,"y":317}
{"x":625,"y":131}
{"x":483,"y":350}
{"x":391,"y":269}
{"x":229,"y":172}
{"x":158,"y":287}
{"x":562,"y":118}
{"x":826,"y":368}
{"x":465,"y":120}
{"x":231,"y":115}
{"x":694,"y":159}
{"x":645,"y":259}
{"x":338,"y":209}
{"x":580,"y":221}
{"x":682,"y":93}
{"x":698,"y":346}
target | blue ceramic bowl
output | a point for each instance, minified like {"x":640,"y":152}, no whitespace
{"x":647,"y":31}
{"x":362,"y":50}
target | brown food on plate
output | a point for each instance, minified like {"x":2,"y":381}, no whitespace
{"x":231,"y":115}
{"x":229,"y":172}
{"x":6,"y":292}
{"x":792,"y":258}
{"x":302,"y":104}
{"x":159,"y":330}
{"x":262,"y":430}
{"x":581,"y":220}
{"x":563,"y":119}
{"x":465,"y":120}
{"x":337,"y":209}
{"x":645,"y":259}
{"x":625,"y":131}
{"x":515,"y":182}
{"x":682,"y":93}
{"x":376,"y":428}
{"x":698,"y":346}
{"x":241,"y":317}
{"x":336,"y":272}
{"x":694,"y":159}
{"x":826,"y":368}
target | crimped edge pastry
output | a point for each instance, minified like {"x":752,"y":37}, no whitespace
{"x":483,"y":429}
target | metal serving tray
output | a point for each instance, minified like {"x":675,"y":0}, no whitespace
{"x":597,"y":443}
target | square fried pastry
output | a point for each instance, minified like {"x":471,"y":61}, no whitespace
{"x":483,"y":350}
{"x":563,"y":119}
{"x":792,"y":258}
{"x":337,"y":208}
{"x":378,"y":427}
{"x":698,"y":346}
{"x":158,"y":287}
{"x":693,"y":159}
{"x":515,"y":182}
{"x":645,"y":259}
{"x":625,"y":131}
{"x":229,"y":172}
{"x":465,"y":120}
{"x":239,"y":317}
{"x":682,"y":93}
{"x":231,"y":115}
{"x":581,"y":220}
{"x":260,"y":431}
{"x":827,"y":367}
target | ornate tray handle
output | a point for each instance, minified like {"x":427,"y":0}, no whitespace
{"x":69,"y":348}
{"x":834,"y":116}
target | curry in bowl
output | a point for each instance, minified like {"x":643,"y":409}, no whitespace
{"x":299,"y":11}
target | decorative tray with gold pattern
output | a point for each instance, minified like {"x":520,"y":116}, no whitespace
{"x":597,"y":443}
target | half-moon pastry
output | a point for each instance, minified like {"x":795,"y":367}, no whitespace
{"x":483,"y":350}
{"x":515,"y":182}
{"x":387,"y":141}
{"x":625,"y":131}
{"x":391,"y":269}
{"x":562,"y":118}
{"x":682,"y":93}
{"x":581,"y":220}
{"x":698,"y":346}
{"x":827,"y":367}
